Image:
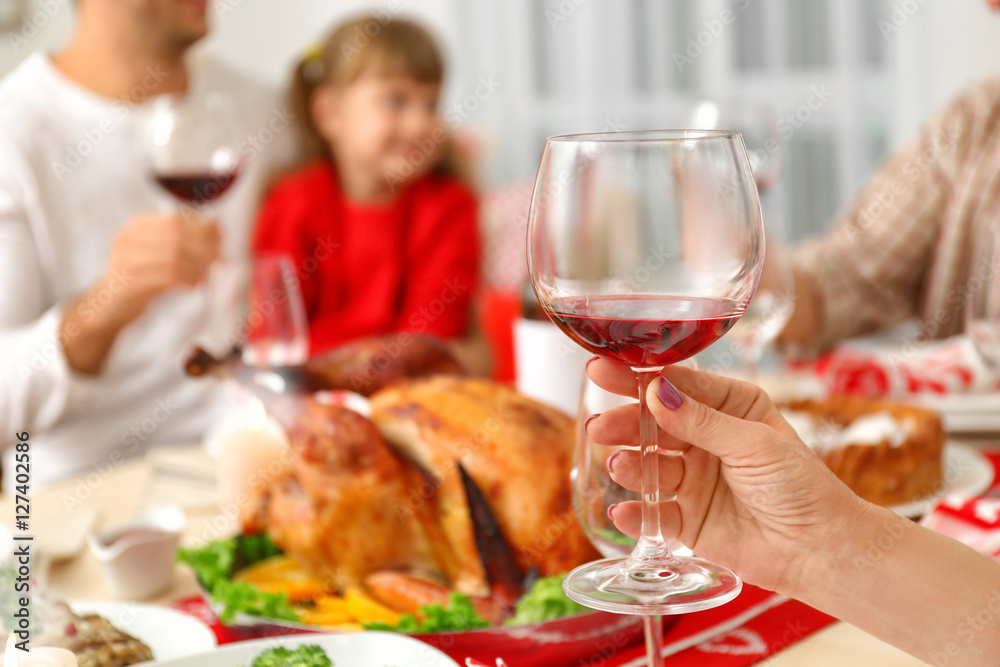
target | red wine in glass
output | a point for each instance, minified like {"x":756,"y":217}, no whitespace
{"x":197,"y":188}
{"x":645,"y":331}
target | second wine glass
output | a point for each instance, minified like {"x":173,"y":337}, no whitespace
{"x":595,"y":493}
{"x":645,"y":248}
{"x":275,"y":332}
{"x":193,"y":146}
{"x":772,"y":304}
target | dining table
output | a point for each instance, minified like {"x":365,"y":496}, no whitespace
{"x":185,"y":475}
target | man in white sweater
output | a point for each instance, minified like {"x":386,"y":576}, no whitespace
{"x":100,"y":294}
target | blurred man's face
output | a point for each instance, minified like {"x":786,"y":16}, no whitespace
{"x":172,"y":25}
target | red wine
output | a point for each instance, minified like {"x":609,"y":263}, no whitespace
{"x":644,"y":330}
{"x":197,"y":188}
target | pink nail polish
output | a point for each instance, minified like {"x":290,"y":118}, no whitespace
{"x":609,"y":462}
{"x":611,"y":510}
{"x":588,"y":420}
{"x":668,"y":394}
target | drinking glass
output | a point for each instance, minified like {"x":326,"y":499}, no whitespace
{"x":772,"y":304}
{"x":594,"y":493}
{"x":191,"y":143}
{"x":982,"y":311}
{"x":193,"y":147}
{"x":274,"y":329}
{"x":645,"y":248}
{"x":593,"y":489}
{"x":757,"y":122}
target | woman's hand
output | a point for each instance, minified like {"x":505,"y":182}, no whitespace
{"x":749,"y":493}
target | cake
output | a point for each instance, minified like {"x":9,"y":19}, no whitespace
{"x":888,"y":453}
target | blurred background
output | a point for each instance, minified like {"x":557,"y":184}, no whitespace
{"x":849,"y":79}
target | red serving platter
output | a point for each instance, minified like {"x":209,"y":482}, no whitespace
{"x":587,"y":637}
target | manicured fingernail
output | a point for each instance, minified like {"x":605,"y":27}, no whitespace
{"x":668,"y":394}
{"x":589,"y":419}
{"x":592,"y":359}
{"x":611,"y":511}
{"x":610,"y":462}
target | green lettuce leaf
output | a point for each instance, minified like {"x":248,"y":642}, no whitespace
{"x":544,"y":602}
{"x":459,"y":615}
{"x":213,"y":564}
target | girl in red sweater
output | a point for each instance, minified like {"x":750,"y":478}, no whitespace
{"x":380,"y":225}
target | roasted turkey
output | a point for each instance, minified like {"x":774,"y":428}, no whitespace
{"x":353,"y":504}
{"x":518,"y":451}
{"x":367,"y":365}
{"x":340,"y":509}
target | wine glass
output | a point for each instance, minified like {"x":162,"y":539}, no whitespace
{"x":594,"y":492}
{"x":593,"y":489}
{"x":982,"y":311}
{"x":772,"y":304}
{"x":191,"y":142}
{"x":193,"y":147}
{"x":269,"y":345}
{"x":274,"y":328}
{"x":757,"y":122}
{"x":645,"y":248}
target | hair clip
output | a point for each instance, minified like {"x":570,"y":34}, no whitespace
{"x":313,"y":60}
{"x":313,"y":54}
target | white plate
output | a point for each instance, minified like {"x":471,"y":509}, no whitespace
{"x":170,"y":634}
{"x":967,"y":473}
{"x":963,"y":403}
{"x":362,"y":649}
{"x":963,"y":413}
{"x":972,"y":422}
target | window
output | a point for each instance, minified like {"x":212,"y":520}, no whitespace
{"x":592,"y":65}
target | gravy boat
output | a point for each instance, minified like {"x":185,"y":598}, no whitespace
{"x":137,"y":556}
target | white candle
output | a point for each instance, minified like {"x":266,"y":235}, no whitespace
{"x":36,"y":657}
{"x":251,"y":451}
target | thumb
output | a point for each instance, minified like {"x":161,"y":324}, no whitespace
{"x":688,"y":420}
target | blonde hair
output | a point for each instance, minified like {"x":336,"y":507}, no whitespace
{"x":369,"y":45}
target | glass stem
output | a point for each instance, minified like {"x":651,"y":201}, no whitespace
{"x":651,"y":545}
{"x":653,"y":626}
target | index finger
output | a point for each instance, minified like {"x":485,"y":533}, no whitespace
{"x":732,"y":397}
{"x":613,"y":376}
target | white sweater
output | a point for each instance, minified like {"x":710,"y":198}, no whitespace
{"x":72,"y":170}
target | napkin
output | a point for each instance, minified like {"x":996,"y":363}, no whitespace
{"x":972,"y":521}
{"x":880,"y":366}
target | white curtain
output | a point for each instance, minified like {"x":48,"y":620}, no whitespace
{"x":593,"y":65}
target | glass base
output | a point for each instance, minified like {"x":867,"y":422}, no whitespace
{"x":674,"y":585}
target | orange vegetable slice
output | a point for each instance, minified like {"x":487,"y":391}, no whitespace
{"x":282,"y":574}
{"x":364,"y":608}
